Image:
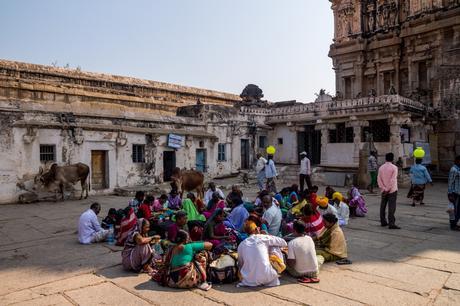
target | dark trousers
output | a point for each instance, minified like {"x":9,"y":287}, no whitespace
{"x":390,"y":199}
{"x":453,"y":223}
{"x":302,"y":179}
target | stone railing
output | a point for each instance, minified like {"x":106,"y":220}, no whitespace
{"x":344,"y":107}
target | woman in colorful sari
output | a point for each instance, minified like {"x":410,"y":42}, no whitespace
{"x":190,"y":209}
{"x":137,"y":254}
{"x":356,"y":202}
{"x":213,"y":204}
{"x":314,"y":226}
{"x":215,"y":230}
{"x":127,"y":223}
{"x":187,"y":263}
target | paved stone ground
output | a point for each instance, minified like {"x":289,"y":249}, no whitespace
{"x":41,"y":263}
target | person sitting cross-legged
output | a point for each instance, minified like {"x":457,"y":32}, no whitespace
{"x":89,"y":229}
{"x":255,"y":257}
{"x":302,"y":261}
{"x":331,"y":245}
{"x":137,"y":253}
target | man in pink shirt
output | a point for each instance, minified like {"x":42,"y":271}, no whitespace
{"x":388,"y":184}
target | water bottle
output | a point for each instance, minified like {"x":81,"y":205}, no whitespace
{"x":111,"y":236}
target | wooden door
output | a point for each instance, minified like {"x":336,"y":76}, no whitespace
{"x":169,"y":163}
{"x":201,"y":160}
{"x":98,"y":170}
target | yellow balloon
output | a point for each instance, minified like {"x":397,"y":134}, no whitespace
{"x":419,"y":152}
{"x":271,"y":150}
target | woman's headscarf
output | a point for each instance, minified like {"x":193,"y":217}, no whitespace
{"x":191,"y":211}
{"x":337,"y":196}
{"x":322,"y":202}
{"x":354,"y":192}
{"x":137,"y":228}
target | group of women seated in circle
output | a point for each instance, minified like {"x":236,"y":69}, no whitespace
{"x":194,"y":243}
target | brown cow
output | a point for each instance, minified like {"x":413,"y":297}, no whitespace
{"x":188,"y":180}
{"x":63,"y":175}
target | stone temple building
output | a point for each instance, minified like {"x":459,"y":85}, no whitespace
{"x":398,"y":86}
{"x":405,"y":47}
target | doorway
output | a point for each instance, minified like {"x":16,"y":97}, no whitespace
{"x":169,"y":163}
{"x":99,"y":177}
{"x":245,"y":161}
{"x":310,"y":142}
{"x":201,"y":160}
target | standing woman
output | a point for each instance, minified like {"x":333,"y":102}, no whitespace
{"x":419,"y":178}
{"x":137,"y":254}
{"x":270,"y":174}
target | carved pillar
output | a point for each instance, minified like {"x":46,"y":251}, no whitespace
{"x":357,"y":126}
{"x":324,"y":128}
{"x":395,"y":122}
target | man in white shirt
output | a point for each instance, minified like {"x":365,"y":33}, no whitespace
{"x":272,"y":215}
{"x":301,"y":257}
{"x":305,"y":171}
{"x":89,"y":229}
{"x":253,"y":258}
{"x":211,"y":189}
{"x":260,"y":170}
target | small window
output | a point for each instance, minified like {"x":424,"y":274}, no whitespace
{"x":47,"y":153}
{"x":138,"y":153}
{"x":262,"y":142}
{"x":280,"y":141}
{"x":221,"y":152}
{"x":349,"y":135}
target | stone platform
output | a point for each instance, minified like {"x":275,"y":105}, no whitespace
{"x":41,"y":262}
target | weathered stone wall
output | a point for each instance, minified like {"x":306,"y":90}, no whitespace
{"x":38,"y":87}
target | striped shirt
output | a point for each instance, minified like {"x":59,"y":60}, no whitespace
{"x":454,"y":180}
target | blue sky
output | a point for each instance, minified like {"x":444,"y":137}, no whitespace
{"x":280,"y":45}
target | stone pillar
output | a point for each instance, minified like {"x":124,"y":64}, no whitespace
{"x":357,"y":126}
{"x":395,"y":122}
{"x":324,"y":128}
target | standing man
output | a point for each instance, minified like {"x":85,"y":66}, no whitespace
{"x":388,"y":183}
{"x":453,"y":193}
{"x":89,"y":229}
{"x":372,"y":167}
{"x":260,"y":170}
{"x":305,"y":171}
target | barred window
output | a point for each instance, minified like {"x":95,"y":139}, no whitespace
{"x":341,"y":134}
{"x":138,"y":153}
{"x":262,"y":142}
{"x":47,"y":153}
{"x":221,"y":152}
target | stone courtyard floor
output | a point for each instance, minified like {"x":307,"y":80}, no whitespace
{"x":41,"y":262}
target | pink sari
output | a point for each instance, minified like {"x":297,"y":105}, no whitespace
{"x":208,"y":213}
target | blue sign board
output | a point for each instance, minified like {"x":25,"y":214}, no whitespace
{"x":175,"y":141}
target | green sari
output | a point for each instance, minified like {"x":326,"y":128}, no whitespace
{"x":191,"y":211}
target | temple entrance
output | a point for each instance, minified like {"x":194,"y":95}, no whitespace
{"x":99,"y":170}
{"x":169,"y":163}
{"x":310,"y":142}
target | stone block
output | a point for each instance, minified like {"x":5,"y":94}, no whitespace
{"x":68,"y":284}
{"x":448,"y":298}
{"x":104,"y":294}
{"x":47,"y":300}
{"x":453,"y":282}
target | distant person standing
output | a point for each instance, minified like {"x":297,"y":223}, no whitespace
{"x":419,"y":178}
{"x":453,"y":193}
{"x":270,"y":174}
{"x":388,"y":182}
{"x":372,"y":167}
{"x":305,"y":171}
{"x":260,"y":170}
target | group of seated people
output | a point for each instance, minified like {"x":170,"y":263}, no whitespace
{"x":175,"y":239}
